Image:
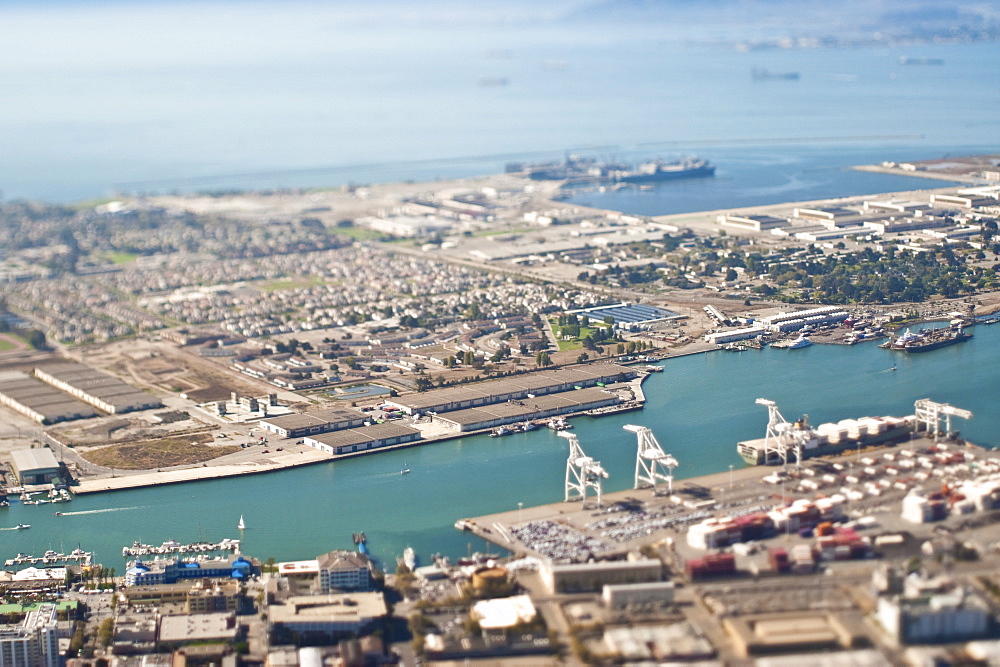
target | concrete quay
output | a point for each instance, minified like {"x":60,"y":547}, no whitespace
{"x":253,"y":461}
{"x":635,"y":518}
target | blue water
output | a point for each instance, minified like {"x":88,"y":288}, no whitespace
{"x":100,"y":97}
{"x":151,"y":97}
{"x":698,"y":409}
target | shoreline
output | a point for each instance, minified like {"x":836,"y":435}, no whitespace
{"x":292,"y":456}
{"x":287,"y":459}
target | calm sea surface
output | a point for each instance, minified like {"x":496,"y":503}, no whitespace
{"x":101,"y":97}
{"x":698,"y":409}
{"x":154,"y":97}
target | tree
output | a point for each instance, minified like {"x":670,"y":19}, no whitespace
{"x":582,"y":358}
{"x":542,"y":359}
{"x":36,"y":339}
{"x":106,"y":633}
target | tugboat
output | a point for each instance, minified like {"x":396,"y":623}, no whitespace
{"x":559,"y":424}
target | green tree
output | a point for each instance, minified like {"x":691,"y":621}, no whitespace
{"x":106,"y":632}
{"x":36,"y":339}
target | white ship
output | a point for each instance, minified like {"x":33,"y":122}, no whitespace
{"x":410,"y":558}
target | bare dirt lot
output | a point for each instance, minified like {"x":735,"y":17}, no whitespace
{"x":162,"y":453}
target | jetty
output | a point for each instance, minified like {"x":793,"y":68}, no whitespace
{"x":171,"y":547}
{"x":51,"y":558}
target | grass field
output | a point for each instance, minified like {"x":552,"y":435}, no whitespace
{"x":9,"y":341}
{"x":156,"y":454}
{"x":291,"y":283}
{"x":120,"y":257}
{"x":359,"y":233}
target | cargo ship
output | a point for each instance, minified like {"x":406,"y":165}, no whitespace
{"x":927,"y":339}
{"x":825,"y":439}
{"x":588,"y":171}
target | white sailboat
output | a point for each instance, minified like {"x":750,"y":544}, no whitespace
{"x":242,"y":524}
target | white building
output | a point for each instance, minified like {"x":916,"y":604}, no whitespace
{"x":953,"y":616}
{"x":33,"y":643}
{"x":344,"y":571}
{"x":623,"y":595}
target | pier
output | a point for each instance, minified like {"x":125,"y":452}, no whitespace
{"x":171,"y":547}
{"x":51,"y":558}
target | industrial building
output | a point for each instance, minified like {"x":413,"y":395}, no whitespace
{"x":517,"y":387}
{"x":35,"y":466}
{"x":200,"y":597}
{"x":330,"y":615}
{"x":627,"y":313}
{"x":616,"y":596}
{"x":581,"y":577}
{"x":539,"y":407}
{"x":39,"y":401}
{"x":753,"y":223}
{"x":723,"y":337}
{"x":352,"y":440}
{"x":798,"y":319}
{"x":942,"y":616}
{"x":219,"y":628}
{"x":762,"y":634}
{"x":98,"y":389}
{"x":311,"y":423}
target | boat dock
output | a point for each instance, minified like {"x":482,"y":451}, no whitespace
{"x":51,"y":558}
{"x":171,"y":547}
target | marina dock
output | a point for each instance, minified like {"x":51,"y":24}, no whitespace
{"x":51,"y":558}
{"x":171,"y":548}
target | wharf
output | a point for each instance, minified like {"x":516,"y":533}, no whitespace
{"x":51,"y":558}
{"x":172,"y":548}
{"x":634,"y":518}
{"x":291,"y":456}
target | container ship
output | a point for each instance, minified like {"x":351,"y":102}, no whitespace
{"x":823,"y":440}
{"x":588,"y":171}
{"x":927,"y":339}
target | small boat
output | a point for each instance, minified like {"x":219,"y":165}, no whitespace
{"x":559,"y":424}
{"x":405,"y":469}
{"x":57,"y":514}
{"x":410,"y":558}
{"x":242,"y":524}
{"x":500,"y":431}
{"x":22,"y":526}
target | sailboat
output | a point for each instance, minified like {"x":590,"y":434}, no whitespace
{"x":405,"y":469}
{"x":242,"y":524}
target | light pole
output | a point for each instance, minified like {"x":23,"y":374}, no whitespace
{"x":519,"y":506}
{"x":730,"y":478}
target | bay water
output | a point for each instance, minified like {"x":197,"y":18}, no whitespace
{"x":698,"y":408}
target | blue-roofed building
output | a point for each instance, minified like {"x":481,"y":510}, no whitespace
{"x":172,"y":570}
{"x":628,"y":314}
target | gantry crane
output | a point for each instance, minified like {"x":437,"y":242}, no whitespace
{"x":581,"y":471}
{"x":651,"y":461}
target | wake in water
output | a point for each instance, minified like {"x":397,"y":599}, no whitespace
{"x":103,"y":511}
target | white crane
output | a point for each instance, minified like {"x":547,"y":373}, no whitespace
{"x":929,"y":415}
{"x":581,"y":471}
{"x":651,"y":461}
{"x":784,"y":437}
